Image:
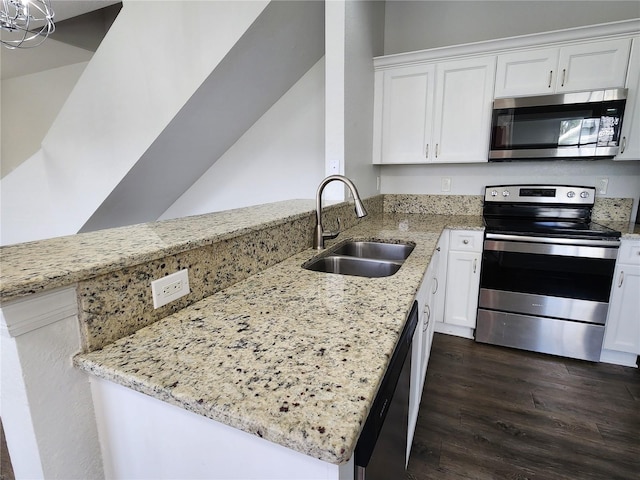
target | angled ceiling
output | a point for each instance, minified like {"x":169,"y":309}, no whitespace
{"x":284,"y":42}
{"x":80,"y":27}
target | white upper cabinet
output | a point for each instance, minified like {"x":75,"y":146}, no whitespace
{"x":630,"y":135}
{"x":572,"y":68}
{"x":434,"y":113}
{"x":407,"y":113}
{"x":529,"y":72}
{"x":463,"y":102}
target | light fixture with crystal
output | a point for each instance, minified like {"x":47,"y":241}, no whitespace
{"x":25,"y":23}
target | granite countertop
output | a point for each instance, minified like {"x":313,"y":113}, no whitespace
{"x":290,"y":355}
{"x":33,"y":267}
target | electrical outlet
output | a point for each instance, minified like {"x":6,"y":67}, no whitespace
{"x":169,"y":288}
{"x":446,"y":184}
{"x":603,"y":183}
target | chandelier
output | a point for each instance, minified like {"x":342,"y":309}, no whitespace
{"x":25,"y":23}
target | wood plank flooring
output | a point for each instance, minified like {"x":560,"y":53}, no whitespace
{"x":496,"y":413}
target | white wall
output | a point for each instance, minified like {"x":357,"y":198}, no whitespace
{"x":364,"y":38}
{"x":418,"y":25}
{"x":136,"y":82}
{"x":281,"y":157}
{"x":30,"y":103}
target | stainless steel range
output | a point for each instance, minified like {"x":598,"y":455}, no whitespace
{"x":546,"y":272}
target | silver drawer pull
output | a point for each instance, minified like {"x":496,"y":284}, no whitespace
{"x":621,"y":279}
{"x":435,"y":285}
{"x":624,"y":144}
{"x":475,"y":264}
{"x":465,"y":241}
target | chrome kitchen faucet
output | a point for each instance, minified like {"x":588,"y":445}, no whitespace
{"x":318,"y":235}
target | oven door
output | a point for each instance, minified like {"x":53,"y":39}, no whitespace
{"x":544,"y":278}
{"x":540,"y":295}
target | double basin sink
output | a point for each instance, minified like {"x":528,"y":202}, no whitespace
{"x":362,"y":258}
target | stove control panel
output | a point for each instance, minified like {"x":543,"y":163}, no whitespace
{"x":552,"y":194}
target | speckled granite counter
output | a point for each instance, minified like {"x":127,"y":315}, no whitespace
{"x":291,"y":355}
{"x":32,"y":267}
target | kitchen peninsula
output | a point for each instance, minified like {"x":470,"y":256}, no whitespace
{"x":289,"y":355}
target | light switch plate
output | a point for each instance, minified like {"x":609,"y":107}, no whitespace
{"x":446,"y":184}
{"x":170,"y":288}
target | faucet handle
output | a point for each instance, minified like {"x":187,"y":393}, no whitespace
{"x":334,"y":234}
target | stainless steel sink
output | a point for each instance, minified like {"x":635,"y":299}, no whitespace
{"x":361,"y":267}
{"x":362,"y":258}
{"x":376,"y":250}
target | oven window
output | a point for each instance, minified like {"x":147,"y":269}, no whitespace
{"x":552,"y":275}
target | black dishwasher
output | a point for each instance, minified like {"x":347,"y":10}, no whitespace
{"x":381,"y":450}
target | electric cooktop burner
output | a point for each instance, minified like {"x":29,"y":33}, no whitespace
{"x":543,"y":210}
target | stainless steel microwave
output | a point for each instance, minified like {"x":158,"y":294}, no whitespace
{"x":581,"y":125}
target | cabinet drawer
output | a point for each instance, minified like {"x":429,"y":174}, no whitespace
{"x":466,"y":240}
{"x":629,"y":252}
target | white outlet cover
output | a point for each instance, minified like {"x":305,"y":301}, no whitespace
{"x":178,"y":284}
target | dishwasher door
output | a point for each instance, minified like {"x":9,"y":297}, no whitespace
{"x":381,"y":450}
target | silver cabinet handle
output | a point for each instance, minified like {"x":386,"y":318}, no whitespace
{"x":550,"y":77}
{"x":621,"y":278}
{"x":475,"y":264}
{"x":623,"y":144}
{"x":437,"y":249}
{"x":426,"y":153}
{"x":427,"y":311}
{"x":564,"y":75}
{"x":435,"y":285}
{"x":465,"y":241}
{"x":437,"y":145}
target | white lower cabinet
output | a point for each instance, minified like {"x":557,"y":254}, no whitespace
{"x":429,"y":294}
{"x":463,"y":283}
{"x":622,"y":332}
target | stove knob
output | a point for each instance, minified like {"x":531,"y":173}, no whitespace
{"x":571,"y":194}
{"x":505,"y":193}
{"x":494,"y":193}
{"x":584,"y":194}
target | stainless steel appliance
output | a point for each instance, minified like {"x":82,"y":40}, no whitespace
{"x":380,"y":453}
{"x":582,"y":125}
{"x":547,"y":270}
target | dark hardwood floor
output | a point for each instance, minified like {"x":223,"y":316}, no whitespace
{"x":496,"y":413}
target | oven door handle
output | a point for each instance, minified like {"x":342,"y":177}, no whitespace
{"x":554,"y":240}
{"x":552,"y":249}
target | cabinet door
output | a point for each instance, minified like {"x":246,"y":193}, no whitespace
{"x":630,"y":135}
{"x":464,"y":96}
{"x":407,"y":114}
{"x":593,"y":65}
{"x":463,"y":284}
{"x":530,"y":72}
{"x":623,"y":322}
{"x":441,"y":277}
